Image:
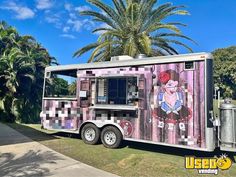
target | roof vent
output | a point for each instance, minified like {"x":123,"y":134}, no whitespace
{"x":140,"y":56}
{"x":121,"y":58}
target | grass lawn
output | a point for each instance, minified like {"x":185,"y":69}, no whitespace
{"x":132,"y":159}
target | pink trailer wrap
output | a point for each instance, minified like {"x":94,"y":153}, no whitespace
{"x":169,"y":103}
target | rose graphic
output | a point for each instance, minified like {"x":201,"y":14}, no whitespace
{"x":164,"y":77}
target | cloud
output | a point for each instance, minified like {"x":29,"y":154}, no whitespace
{"x":21,"y":12}
{"x":70,"y":36}
{"x":82,"y":8}
{"x":72,"y":15}
{"x":44,"y":4}
{"x":54,"y":18}
{"x":76,"y":24}
{"x":71,"y":10}
{"x":66,"y":29}
{"x":68,"y":6}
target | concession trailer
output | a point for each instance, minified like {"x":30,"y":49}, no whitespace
{"x":164,"y":100}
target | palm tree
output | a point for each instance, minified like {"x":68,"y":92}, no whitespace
{"x":72,"y":88}
{"x":134,"y":27}
{"x":16,"y":74}
{"x":22,"y":64}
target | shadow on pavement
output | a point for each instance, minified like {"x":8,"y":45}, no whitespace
{"x":27,"y":165}
{"x":32,"y":133}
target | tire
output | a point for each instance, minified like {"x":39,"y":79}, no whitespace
{"x":111,"y":137}
{"x":90,"y":134}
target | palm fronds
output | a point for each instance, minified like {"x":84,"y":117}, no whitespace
{"x":133,"y":27}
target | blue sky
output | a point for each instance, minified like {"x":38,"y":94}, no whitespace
{"x":56,"y":24}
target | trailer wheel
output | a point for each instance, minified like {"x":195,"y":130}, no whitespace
{"x":90,"y":134}
{"x":111,"y":137}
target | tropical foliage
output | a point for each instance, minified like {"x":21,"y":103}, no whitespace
{"x":56,"y":86}
{"x":225,"y":71}
{"x":22,"y":64}
{"x":72,"y":88}
{"x":132,"y":27}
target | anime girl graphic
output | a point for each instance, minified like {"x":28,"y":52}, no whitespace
{"x":170,"y":99}
{"x":171,"y":112}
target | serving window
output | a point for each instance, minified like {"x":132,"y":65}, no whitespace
{"x":117,"y":90}
{"x":60,"y":84}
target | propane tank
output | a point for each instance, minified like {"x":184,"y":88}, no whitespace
{"x":228,"y":124}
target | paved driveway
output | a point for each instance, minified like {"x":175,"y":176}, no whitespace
{"x":21,"y":156}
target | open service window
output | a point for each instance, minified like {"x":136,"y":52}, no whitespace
{"x":117,"y":90}
{"x":60,"y":84}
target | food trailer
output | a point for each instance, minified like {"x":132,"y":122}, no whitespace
{"x":165,"y":100}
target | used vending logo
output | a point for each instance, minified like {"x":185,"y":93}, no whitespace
{"x":208,"y":165}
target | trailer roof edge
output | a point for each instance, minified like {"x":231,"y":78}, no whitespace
{"x":134,"y":62}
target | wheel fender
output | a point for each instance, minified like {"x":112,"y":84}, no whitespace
{"x":101,"y":124}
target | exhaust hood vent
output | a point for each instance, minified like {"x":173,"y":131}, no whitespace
{"x":121,"y":58}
